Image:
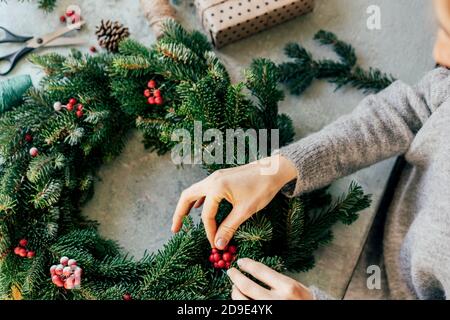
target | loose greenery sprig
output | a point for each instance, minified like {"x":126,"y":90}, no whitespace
{"x":299,"y":74}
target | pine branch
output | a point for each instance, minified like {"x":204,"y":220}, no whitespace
{"x":299,"y":74}
{"x":47,"y":5}
{"x":262,"y":80}
{"x":369,"y":81}
{"x":344,"y":50}
{"x":47,"y":194}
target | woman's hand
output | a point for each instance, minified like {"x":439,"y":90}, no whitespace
{"x":249,"y":189}
{"x":281,"y":286}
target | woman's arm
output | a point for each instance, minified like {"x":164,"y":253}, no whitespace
{"x":381,"y":127}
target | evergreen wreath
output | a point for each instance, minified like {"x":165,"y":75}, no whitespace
{"x":50,"y":152}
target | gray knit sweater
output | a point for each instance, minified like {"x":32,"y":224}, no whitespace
{"x":414,"y":121}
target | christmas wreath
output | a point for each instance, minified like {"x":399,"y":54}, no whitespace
{"x":52,"y":144}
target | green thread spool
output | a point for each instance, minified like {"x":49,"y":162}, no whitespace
{"x":12,"y":90}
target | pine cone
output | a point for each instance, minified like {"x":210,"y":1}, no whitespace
{"x":109,"y":34}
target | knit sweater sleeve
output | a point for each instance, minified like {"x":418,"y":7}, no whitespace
{"x":382,"y":126}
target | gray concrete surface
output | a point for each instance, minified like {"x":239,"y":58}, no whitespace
{"x":137,"y":193}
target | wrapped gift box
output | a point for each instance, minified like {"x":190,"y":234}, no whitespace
{"x":229,"y":20}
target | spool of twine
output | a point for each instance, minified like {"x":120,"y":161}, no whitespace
{"x":156,"y":11}
{"x":12,"y":90}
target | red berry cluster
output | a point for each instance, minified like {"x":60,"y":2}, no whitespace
{"x":21,"y":250}
{"x":66,"y":274}
{"x":70,"y":14}
{"x":71,"y":106}
{"x":223,"y":259}
{"x":153,"y":94}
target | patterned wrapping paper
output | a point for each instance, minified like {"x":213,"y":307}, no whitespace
{"x":227,"y":21}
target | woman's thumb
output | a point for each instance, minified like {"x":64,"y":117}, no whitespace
{"x":228,"y":228}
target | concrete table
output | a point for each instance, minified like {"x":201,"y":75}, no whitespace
{"x":137,"y":192}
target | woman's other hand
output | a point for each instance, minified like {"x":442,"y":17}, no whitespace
{"x":280,"y":286}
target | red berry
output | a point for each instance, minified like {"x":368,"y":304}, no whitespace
{"x":127,"y":297}
{"x":28,"y":137}
{"x":64,"y":261}
{"x":67,"y":271}
{"x":73,"y":101}
{"x":59,"y":269}
{"x":62,"y":19}
{"x":57,"y":281}
{"x":227,"y":257}
{"x":23,"y":252}
{"x":80,"y":107}
{"x":34,"y":152}
{"x":80,"y":113}
{"x":215,"y":250}
{"x":159,"y":100}
{"x":227,"y":265}
{"x":151,"y":100}
{"x":72,"y":262}
{"x":52,"y":270}
{"x":69,"y":283}
{"x":221,"y":264}
{"x":17,"y":250}
{"x":217,"y":257}
{"x":147,"y":93}
{"x":31,"y":254}
{"x":211,"y":258}
{"x":232,"y":249}
{"x":23,"y":242}
{"x":93,"y":49}
{"x":152,"y":84}
{"x":69,"y":107}
{"x":70,"y":13}
{"x":216,"y":265}
{"x":157,"y":93}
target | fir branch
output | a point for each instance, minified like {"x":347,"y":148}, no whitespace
{"x":262,"y":80}
{"x":46,"y":194}
{"x":344,"y":50}
{"x":7,"y":205}
{"x":369,"y":81}
{"x":299,"y":74}
{"x":41,"y":168}
{"x":47,"y":5}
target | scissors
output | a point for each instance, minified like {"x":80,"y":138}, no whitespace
{"x":32,"y":43}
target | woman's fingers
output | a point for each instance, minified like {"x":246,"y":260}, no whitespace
{"x":229,"y":226}
{"x":248,"y":287}
{"x":281,"y":286}
{"x":237,"y":295}
{"x":262,"y":272}
{"x":209,"y":213}
{"x":199,"y":203}
{"x":187,"y":199}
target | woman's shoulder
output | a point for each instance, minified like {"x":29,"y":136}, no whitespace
{"x":435,"y":86}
